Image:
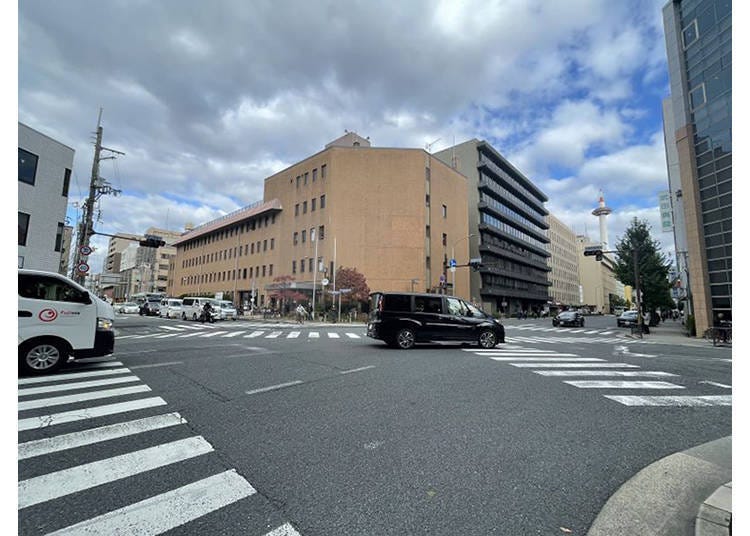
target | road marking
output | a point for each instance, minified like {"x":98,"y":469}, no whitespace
{"x":165,"y":364}
{"x":234,"y":334}
{"x":356,"y":369}
{"x":71,"y":376}
{"x":352,"y":335}
{"x":82,"y":364}
{"x":716,"y":384}
{"x":603,"y":384}
{"x":44,"y":421}
{"x":576,"y":331}
{"x":273,"y":334}
{"x":75,"y":385}
{"x":39,"y":447}
{"x":607,"y":332}
{"x":546,"y":359}
{"x":193,"y":334}
{"x":81,"y":397}
{"x":313,"y":335}
{"x":254,"y":334}
{"x":214,"y":334}
{"x":530,"y":354}
{"x":273,"y":387}
{"x":166,"y":335}
{"x":603,"y":373}
{"x":284,"y":530}
{"x":172,"y":328}
{"x":332,"y":335}
{"x":169,"y":510}
{"x":60,"y":483}
{"x":590,"y":332}
{"x":687,"y":401}
{"x":293,"y":334}
{"x":573,"y":365}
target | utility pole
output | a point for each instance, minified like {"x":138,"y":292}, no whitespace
{"x":97,"y":188}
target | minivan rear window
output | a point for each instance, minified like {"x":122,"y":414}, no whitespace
{"x":397,"y":302}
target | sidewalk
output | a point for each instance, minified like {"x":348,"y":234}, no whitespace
{"x":689,"y":492}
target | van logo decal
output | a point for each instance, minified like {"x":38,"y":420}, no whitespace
{"x":47,"y":315}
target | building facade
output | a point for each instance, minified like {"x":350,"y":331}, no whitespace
{"x":389,"y":213}
{"x":563,"y":264}
{"x":698,"y":36}
{"x":598,"y":280}
{"x":44,"y":170}
{"x":507,"y":230}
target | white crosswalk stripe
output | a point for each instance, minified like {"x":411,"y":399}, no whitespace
{"x":353,"y":336}
{"x":254,"y":334}
{"x":610,"y":373}
{"x":313,"y":335}
{"x":154,"y":514}
{"x":680,"y":401}
{"x":615,"y":384}
{"x":293,"y":335}
{"x":332,"y":335}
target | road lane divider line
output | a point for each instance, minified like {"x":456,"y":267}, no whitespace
{"x":356,"y":369}
{"x":48,"y":445}
{"x":81,"y":397}
{"x":44,"y":421}
{"x":82,"y":477}
{"x":273,"y":387}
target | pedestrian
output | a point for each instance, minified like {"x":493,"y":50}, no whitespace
{"x":301,"y":313}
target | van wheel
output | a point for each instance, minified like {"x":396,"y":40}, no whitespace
{"x":487,"y":339}
{"x":42,"y":356}
{"x":405,"y":338}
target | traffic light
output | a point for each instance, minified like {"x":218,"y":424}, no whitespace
{"x":151,"y":241}
{"x":475,"y":264}
{"x":596,"y":251}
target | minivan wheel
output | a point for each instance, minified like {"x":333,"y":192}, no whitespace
{"x":405,"y":338}
{"x":487,"y":339}
{"x":42,"y":356}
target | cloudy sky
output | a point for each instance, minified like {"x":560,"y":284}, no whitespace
{"x":209,"y":98}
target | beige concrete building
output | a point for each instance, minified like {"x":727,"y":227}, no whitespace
{"x":597,"y":278}
{"x":392,"y":214}
{"x":564,"y":260}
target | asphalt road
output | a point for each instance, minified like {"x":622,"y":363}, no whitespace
{"x":320,"y":430}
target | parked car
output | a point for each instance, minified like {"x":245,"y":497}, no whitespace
{"x":404,"y":319}
{"x":627,"y":319}
{"x":170,"y":308}
{"x":128,"y":308}
{"x":228,"y":310}
{"x":568,"y":318}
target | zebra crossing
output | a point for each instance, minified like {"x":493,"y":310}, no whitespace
{"x":263,"y":331}
{"x":81,"y":410}
{"x":577,"y":371}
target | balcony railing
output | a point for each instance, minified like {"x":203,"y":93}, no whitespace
{"x":512,"y":183}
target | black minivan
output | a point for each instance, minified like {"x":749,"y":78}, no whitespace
{"x":402,"y":319}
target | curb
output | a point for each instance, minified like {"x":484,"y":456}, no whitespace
{"x":670,"y":496}
{"x":715,"y":514}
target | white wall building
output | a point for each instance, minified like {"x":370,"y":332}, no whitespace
{"x":44,"y":170}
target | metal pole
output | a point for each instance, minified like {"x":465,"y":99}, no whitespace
{"x":315,"y":274}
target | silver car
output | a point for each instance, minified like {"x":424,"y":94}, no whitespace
{"x":228,"y":310}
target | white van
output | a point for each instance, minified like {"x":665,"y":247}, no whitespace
{"x":193,"y":305}
{"x":57,"y":319}
{"x":170,"y":308}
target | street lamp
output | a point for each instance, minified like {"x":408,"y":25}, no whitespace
{"x":453,"y":256}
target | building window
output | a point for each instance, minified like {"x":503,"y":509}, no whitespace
{"x":304,"y":207}
{"x":445,"y":239}
{"x":304,"y":236}
{"x":310,"y":264}
{"x":307,"y":173}
{"x":296,"y":209}
{"x":312,"y":234}
{"x":264,"y":270}
{"x":270,"y":270}
{"x":445,"y":211}
{"x":265,"y":245}
{"x":298,"y":177}
{"x":698,"y":97}
{"x":323,"y":172}
{"x":66,"y":182}
{"x":315,"y":174}
{"x":323,"y":201}
{"x":296,"y":234}
{"x":294,"y":267}
{"x":23,"y":227}
{"x":59,"y":236}
{"x":252,"y":248}
{"x":321,"y":232}
{"x":272,"y":244}
{"x":690,"y":34}
{"x":257,"y":271}
{"x":27,"y":166}
{"x":312,"y":205}
{"x":302,"y":266}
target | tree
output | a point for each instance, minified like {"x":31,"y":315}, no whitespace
{"x":284,"y":292}
{"x":352,"y":279}
{"x":653,"y":267}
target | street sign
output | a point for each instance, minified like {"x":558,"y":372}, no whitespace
{"x":452,"y":263}
{"x":83,"y":267}
{"x":324,"y":281}
{"x":85,"y":250}
{"x":344,"y":290}
{"x":442,"y":278}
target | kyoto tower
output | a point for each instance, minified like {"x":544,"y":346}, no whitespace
{"x":602,"y":211}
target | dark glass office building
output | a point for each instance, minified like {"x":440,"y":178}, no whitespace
{"x":698,"y":37}
{"x":508,"y":230}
